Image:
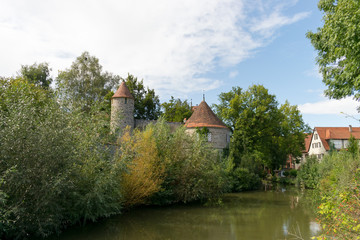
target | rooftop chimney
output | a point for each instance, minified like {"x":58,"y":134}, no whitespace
{"x":350,"y":128}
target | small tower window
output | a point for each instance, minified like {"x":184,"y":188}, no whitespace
{"x":209,"y":137}
{"x":125,"y":100}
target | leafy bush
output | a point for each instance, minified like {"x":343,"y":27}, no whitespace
{"x":245,"y":180}
{"x":145,"y":170}
{"x":193,"y":169}
{"x":309,"y":173}
{"x":293,"y":173}
{"x":338,"y":194}
{"x":54,"y":166}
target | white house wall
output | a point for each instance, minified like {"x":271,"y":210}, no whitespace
{"x":316,"y":146}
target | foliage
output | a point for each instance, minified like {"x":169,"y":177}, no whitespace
{"x":338,"y":46}
{"x":193,"y":169}
{"x":147,"y":103}
{"x":54,"y":167}
{"x":338,"y":191}
{"x":145,"y":170}
{"x":353,"y":147}
{"x":293,"y":129}
{"x":260,"y":128}
{"x":38,"y":74}
{"x":176,"y":110}
{"x":85,"y":83}
{"x":293,"y":173}
{"x":229,"y":107}
{"x":243,"y":180}
{"x":308,"y":176}
{"x":203,"y":132}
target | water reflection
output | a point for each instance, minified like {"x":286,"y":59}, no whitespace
{"x":251,"y":215}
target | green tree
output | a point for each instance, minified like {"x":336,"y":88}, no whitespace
{"x":147,"y":103}
{"x":85,"y":83}
{"x":229,"y":107}
{"x":263,"y":133}
{"x":338,"y":46}
{"x":293,"y":131}
{"x":176,"y":110}
{"x":38,"y":74}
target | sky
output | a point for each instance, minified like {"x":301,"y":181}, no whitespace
{"x":181,"y":48}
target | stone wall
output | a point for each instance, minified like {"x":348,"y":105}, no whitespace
{"x":219,"y":139}
{"x":141,"y":124}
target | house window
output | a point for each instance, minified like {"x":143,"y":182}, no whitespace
{"x":319,"y":145}
{"x":209,"y":137}
{"x":337,"y":143}
{"x":315,"y":137}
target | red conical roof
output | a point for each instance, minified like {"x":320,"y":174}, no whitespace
{"x":123,"y":92}
{"x":203,"y":116}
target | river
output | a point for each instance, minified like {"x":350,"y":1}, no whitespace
{"x":278,"y":214}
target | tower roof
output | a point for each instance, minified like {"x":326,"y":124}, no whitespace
{"x":123,"y":92}
{"x":203,"y":116}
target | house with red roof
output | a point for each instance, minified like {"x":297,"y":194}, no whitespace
{"x":325,"y":138}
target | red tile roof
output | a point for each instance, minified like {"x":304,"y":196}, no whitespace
{"x":203,"y":116}
{"x":327,"y":133}
{"x":307,"y":142}
{"x":123,"y":92}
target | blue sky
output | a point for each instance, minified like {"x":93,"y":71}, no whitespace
{"x":180,"y":48}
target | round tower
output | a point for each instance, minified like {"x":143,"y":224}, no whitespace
{"x":203,"y":117}
{"x":122,"y":109}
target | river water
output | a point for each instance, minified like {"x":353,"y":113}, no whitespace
{"x":278,"y":214}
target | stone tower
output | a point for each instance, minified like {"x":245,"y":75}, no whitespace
{"x":203,"y":116}
{"x":122,"y":109}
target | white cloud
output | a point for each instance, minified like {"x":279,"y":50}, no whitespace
{"x":233,"y":74}
{"x":170,"y":44}
{"x":275,"y":20}
{"x":332,"y":106}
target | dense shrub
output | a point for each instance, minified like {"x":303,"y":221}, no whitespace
{"x":193,"y":169}
{"x":293,"y":173}
{"x":145,"y":171}
{"x":54,"y":166}
{"x":308,"y":176}
{"x":336,"y":179}
{"x":338,"y":194}
{"x":243,"y":180}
